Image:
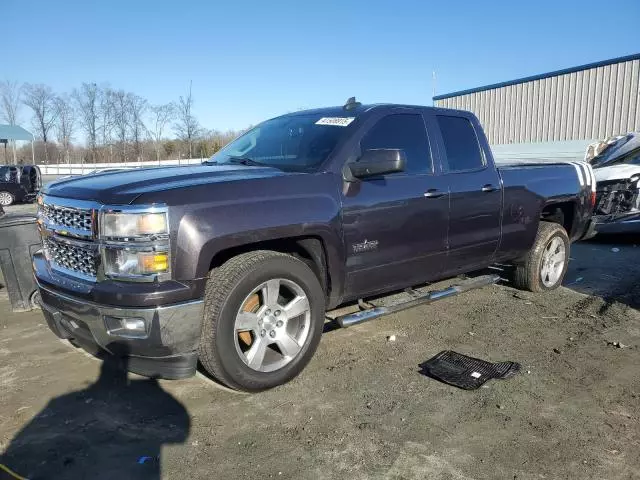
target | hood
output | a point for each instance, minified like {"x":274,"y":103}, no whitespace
{"x":620,"y":149}
{"x":123,"y":187}
{"x":616,"y":172}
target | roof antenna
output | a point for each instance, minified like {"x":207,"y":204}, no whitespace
{"x":351,"y":104}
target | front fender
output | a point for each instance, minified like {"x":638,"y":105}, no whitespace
{"x":206,"y":231}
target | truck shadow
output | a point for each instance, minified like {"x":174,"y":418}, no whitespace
{"x":114,"y":428}
{"x":606,"y":267}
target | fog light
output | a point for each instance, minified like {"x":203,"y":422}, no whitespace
{"x":131,"y":327}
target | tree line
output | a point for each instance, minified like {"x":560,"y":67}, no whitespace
{"x":116,"y":125}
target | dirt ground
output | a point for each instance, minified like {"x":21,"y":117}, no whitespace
{"x":361,"y":409}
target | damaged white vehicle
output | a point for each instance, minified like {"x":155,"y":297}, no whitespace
{"x":616,"y":165}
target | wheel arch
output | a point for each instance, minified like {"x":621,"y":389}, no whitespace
{"x":563,"y":213}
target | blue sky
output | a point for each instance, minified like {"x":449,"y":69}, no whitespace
{"x":250,"y":60}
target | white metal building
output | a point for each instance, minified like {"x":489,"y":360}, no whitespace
{"x":571,"y":106}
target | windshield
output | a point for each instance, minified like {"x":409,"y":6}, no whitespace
{"x":298,"y":143}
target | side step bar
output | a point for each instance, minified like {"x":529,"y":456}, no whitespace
{"x":364,"y":316}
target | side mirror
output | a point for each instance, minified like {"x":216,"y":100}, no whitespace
{"x":378,"y":162}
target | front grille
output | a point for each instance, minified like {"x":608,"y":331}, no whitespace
{"x":71,"y":257}
{"x":77,"y":218}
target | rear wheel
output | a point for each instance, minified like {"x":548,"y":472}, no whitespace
{"x":264,"y":313}
{"x":6,"y":198}
{"x":544,"y":267}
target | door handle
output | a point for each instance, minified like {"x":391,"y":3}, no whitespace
{"x":434,"y":193}
{"x":488,"y":188}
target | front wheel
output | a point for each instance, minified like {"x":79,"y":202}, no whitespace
{"x":6,"y":198}
{"x":544,"y":267}
{"x":263,"y":319}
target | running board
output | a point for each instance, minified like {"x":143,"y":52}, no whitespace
{"x":364,"y":316}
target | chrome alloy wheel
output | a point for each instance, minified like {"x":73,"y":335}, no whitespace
{"x":553,"y":260}
{"x":6,"y":199}
{"x":272,"y":325}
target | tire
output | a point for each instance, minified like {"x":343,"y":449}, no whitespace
{"x":6,"y":198}
{"x":229,"y":289}
{"x":528,"y":274}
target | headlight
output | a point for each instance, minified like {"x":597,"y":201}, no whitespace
{"x":133,"y":225}
{"x":135,"y":243}
{"x":119,"y":262}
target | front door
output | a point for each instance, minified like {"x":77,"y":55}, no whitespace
{"x":476,"y":196}
{"x":394,"y":234}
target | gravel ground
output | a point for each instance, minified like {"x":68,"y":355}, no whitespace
{"x":361,"y":409}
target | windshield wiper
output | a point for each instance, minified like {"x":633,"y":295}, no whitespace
{"x":245,"y":161}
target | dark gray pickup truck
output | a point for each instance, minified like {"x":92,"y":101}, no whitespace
{"x":234,"y":262}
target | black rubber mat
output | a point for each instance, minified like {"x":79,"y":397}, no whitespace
{"x":466,"y":372}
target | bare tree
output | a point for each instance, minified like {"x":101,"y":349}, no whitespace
{"x":40,"y":99}
{"x":161,"y":115}
{"x":187,"y":127}
{"x":106,"y":118}
{"x":121,"y":121}
{"x":65,"y":123}
{"x":137,"y":108}
{"x":86,"y":99}
{"x":10,"y":93}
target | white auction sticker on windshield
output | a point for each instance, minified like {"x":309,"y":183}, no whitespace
{"x":336,"y":121}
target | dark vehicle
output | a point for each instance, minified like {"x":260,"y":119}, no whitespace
{"x":235,"y":261}
{"x":19,"y":183}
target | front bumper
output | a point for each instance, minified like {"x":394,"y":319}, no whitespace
{"x":629,"y":223}
{"x":166,"y":349}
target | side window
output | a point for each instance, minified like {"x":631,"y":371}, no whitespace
{"x":405,"y":131}
{"x":460,"y":143}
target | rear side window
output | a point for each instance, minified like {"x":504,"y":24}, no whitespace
{"x":460,"y":143}
{"x":404,"y":131}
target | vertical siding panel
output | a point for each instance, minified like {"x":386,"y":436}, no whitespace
{"x":552,"y":108}
{"x":590,"y":120}
{"x":541,"y":111}
{"x":605,"y":110}
{"x":496,"y":114}
{"x":515,"y":127}
{"x":626,"y":87}
{"x":601,"y":112}
{"x":584,"y":113}
{"x":529,"y":126}
{"x":502,"y":109}
{"x":558,"y":113}
{"x":509,"y":116}
{"x":524,"y":120}
{"x":577,"y":117}
{"x":535,"y":111}
{"x":492,"y":113}
{"x":571,"y":90}
{"x":619,"y":100}
{"x":546,"y":118}
{"x":560,"y":118}
{"x":525,"y":112}
{"x":634,"y":97}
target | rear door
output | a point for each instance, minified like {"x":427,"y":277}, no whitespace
{"x":475,"y":194}
{"x":394,"y":235}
